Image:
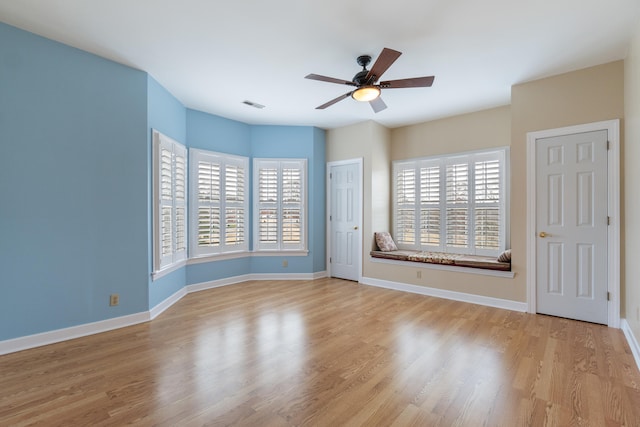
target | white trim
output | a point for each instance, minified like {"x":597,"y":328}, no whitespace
{"x":286,"y":276}
{"x":408,"y":172}
{"x":218,"y":257}
{"x":168,"y":302}
{"x":37,"y":340}
{"x":613,"y":257}
{"x":155,"y":275}
{"x":58,"y":335}
{"x":267,"y":252}
{"x":360,"y":162}
{"x":460,"y":269}
{"x":279,"y":164}
{"x":451,"y":295}
{"x":631,"y":339}
{"x":202,"y":286}
{"x":224,"y":162}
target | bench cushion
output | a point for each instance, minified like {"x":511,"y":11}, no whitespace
{"x":473,"y":261}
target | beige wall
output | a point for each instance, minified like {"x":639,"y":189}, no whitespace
{"x":583,"y":96}
{"x":579,"y":97}
{"x":369,"y":141}
{"x":474,"y":131}
{"x":631,"y":296}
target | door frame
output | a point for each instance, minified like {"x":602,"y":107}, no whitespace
{"x":613,"y":202}
{"x":359,"y":162}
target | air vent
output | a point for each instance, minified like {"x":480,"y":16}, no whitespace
{"x":253,"y":104}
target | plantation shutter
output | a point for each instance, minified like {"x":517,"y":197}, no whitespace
{"x":430,"y":218}
{"x":268,"y":202}
{"x":208,"y":202}
{"x":457,"y":205}
{"x":170,"y":215}
{"x":219,"y":203}
{"x":280,"y":204}
{"x":405,"y":190}
{"x":235,"y":209}
{"x":489,"y":204}
{"x":451,"y":203}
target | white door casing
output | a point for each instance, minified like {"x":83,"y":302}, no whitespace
{"x":572,"y":226}
{"x":345,"y":219}
{"x":560,"y":261}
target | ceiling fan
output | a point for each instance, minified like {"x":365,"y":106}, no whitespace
{"x":365,"y":81}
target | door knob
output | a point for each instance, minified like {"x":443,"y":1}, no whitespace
{"x":543,"y":234}
{"x":355,"y":227}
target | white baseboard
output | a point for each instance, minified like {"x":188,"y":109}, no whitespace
{"x":217,"y":283}
{"x":452,"y":295}
{"x":31,"y":341}
{"x":51,"y":337}
{"x":158,"y":309}
{"x":288,"y":276}
{"x":631,"y":339}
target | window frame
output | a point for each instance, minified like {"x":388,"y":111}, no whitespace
{"x":410,"y":206}
{"x":279,"y":206}
{"x":178,"y":253}
{"x":225,"y":161}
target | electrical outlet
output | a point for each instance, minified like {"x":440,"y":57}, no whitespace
{"x":285,"y":263}
{"x":114,"y":299}
{"x":419,"y":274}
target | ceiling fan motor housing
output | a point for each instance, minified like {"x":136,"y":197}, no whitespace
{"x":361,"y":77}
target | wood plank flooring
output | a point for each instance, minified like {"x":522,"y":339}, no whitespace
{"x":328,"y":353}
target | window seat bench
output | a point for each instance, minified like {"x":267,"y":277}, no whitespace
{"x":459,"y":260}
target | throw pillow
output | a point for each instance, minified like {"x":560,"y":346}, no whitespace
{"x":505,"y":256}
{"x":385,"y":242}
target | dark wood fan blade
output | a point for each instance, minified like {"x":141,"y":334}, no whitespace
{"x":414,"y":82}
{"x":329,"y":79}
{"x":377,"y":105}
{"x":333,"y":101}
{"x":384,"y":61}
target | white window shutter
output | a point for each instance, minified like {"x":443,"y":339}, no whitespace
{"x":454,"y":203}
{"x":457,"y":206}
{"x":170,"y":201}
{"x":219,"y":203}
{"x":405,"y":196}
{"x":280,"y":217}
{"x":430,"y":218}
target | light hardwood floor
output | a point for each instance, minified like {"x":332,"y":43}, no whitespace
{"x":328,"y":353}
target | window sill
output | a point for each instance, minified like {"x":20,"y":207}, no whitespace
{"x":429,"y":266}
{"x":244,"y":254}
{"x":218,"y":257}
{"x":225,"y":256}
{"x":292,"y":252}
{"x":168,"y":269}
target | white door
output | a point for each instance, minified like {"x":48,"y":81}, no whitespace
{"x":344,"y":218}
{"x":571,"y":224}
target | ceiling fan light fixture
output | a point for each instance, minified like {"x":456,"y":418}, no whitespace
{"x":366,"y":93}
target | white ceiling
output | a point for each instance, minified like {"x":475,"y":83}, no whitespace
{"x":214,"y":54}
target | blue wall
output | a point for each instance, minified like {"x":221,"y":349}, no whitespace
{"x":73,"y":186}
{"x":167,"y":115}
{"x":76,"y":185}
{"x":296,"y":142}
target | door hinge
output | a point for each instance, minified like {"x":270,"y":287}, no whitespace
{"x":608,"y":145}
{"x":608,"y":220}
{"x":331,"y":174}
{"x":608,"y":296}
{"x":330,"y":218}
{"x":329,"y":260}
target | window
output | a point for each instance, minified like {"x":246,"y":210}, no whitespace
{"x":170,"y":209}
{"x":219,"y":203}
{"x":453,"y":203}
{"x":280,"y":202}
